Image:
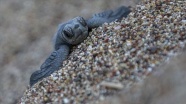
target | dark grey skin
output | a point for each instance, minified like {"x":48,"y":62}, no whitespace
{"x":72,"y":33}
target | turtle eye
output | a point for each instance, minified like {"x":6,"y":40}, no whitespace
{"x":82,"y":21}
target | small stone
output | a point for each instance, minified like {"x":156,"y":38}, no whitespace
{"x":54,"y":78}
{"x":183,"y":21}
{"x":46,"y":100}
{"x":153,"y":49}
{"x":111,"y":85}
{"x":117,"y":27}
{"x":66,"y":100}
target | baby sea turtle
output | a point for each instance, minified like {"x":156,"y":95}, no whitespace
{"x":72,"y":33}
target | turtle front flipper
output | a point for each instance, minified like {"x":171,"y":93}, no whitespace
{"x":107,"y":17}
{"x":51,"y":64}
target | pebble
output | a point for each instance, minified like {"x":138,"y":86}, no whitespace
{"x":116,"y":55}
{"x":65,"y":100}
{"x":112,"y":85}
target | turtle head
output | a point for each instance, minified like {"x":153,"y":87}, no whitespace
{"x":74,"y":31}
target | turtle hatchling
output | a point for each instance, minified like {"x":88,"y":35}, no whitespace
{"x":72,"y":33}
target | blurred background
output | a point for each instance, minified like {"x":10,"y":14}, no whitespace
{"x":26,"y":31}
